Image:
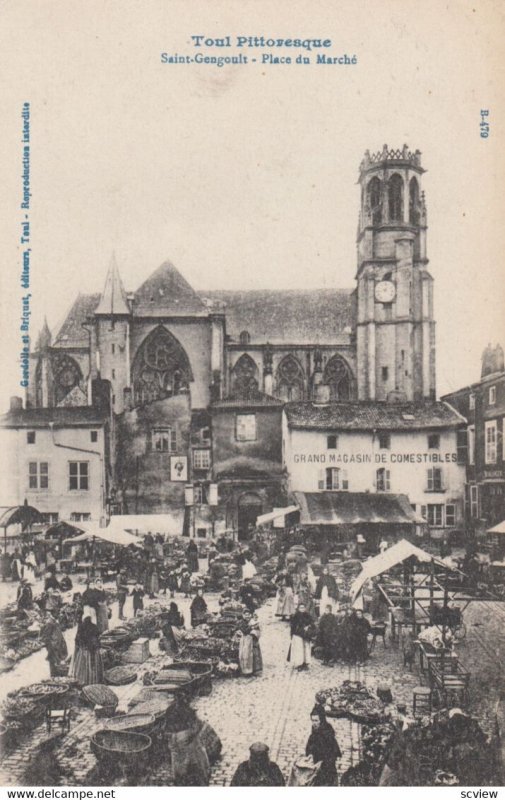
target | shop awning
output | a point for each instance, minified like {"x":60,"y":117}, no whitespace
{"x":263,"y":519}
{"x":394,"y":555}
{"x":500,"y":528}
{"x":354,"y":508}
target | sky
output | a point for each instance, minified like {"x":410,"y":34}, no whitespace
{"x":245,"y":176}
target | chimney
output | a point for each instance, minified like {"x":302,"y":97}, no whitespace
{"x":16,"y":404}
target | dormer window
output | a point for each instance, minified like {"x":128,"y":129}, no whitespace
{"x":245,"y":337}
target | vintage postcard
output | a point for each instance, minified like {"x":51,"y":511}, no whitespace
{"x":252,"y":422}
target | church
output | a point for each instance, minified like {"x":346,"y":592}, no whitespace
{"x":191,"y":386}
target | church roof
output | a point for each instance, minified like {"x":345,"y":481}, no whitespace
{"x":296,"y":316}
{"x":71,"y":333}
{"x":167,"y":292}
{"x":299,"y":316}
{"x":113,"y":299}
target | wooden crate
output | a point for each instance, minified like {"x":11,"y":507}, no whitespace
{"x":138,"y":652}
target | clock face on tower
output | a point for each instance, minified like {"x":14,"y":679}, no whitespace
{"x":385,"y":291}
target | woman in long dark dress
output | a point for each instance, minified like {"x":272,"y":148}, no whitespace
{"x":170,"y":620}
{"x":198,"y":609}
{"x":322,"y":745}
{"x":192,"y":556}
{"x":87,"y":664}
{"x":57,"y":652}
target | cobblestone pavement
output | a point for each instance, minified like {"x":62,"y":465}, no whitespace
{"x":274,"y":707}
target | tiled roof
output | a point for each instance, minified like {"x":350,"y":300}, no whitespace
{"x":258,"y":400}
{"x":167,"y":292}
{"x":372,"y":415}
{"x":62,"y":417}
{"x":312,"y":316}
{"x":71,"y":333}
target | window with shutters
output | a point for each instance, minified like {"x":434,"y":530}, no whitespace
{"x":383,"y":480}
{"x":197,"y":495}
{"x":474,"y":500}
{"x":38,"y":475}
{"x":435,"y":482}
{"x":462,"y":446}
{"x":471,"y":444}
{"x":471,"y":402}
{"x":435,"y":515}
{"x":492,"y":395}
{"x":336,"y":479}
{"x":490,"y":442}
{"x":164,"y":440}
{"x":450,"y":515}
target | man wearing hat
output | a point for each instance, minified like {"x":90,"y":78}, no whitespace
{"x":258,"y":770}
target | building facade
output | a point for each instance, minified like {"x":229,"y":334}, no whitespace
{"x":57,"y":460}
{"x":483,"y":405}
{"x":177,"y":368}
{"x":400,"y":449}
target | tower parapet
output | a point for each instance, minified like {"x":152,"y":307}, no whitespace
{"x":395,"y":327}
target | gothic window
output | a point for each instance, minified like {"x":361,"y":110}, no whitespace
{"x":395,"y":193}
{"x":245,"y":377}
{"x":290,"y":379}
{"x":338,"y":377}
{"x":67,"y":375}
{"x":161,"y":368}
{"x":414,"y":214}
{"x":375,"y":200}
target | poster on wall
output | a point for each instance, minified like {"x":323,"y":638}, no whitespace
{"x":179,"y":468}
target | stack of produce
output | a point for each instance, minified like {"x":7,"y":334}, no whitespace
{"x":377,"y":741}
{"x":352,"y":699}
{"x":451,"y":744}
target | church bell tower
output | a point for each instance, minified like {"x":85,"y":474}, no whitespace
{"x":395,"y":327}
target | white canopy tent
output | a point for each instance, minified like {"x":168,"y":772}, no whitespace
{"x":500,"y":528}
{"x":277,"y":513}
{"x":394,"y":555}
{"x":118,"y":537}
{"x":167,"y":524}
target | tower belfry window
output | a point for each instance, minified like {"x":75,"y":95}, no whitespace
{"x":375,"y":200}
{"x":395,"y":196}
{"x":414,"y":214}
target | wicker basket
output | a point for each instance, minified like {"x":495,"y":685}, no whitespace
{"x":121,"y":749}
{"x":201,"y":672}
{"x":99,"y":695}
{"x":136,"y":723}
{"x":120,"y":676}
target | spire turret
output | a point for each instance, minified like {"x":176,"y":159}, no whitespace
{"x":113,"y":300}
